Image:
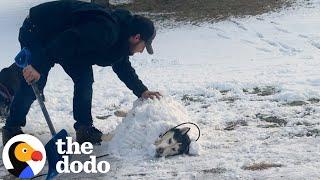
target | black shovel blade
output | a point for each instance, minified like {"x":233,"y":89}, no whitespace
{"x":52,"y":153}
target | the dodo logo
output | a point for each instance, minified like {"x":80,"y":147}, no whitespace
{"x":24,"y":156}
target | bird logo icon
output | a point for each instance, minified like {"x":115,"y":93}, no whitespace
{"x":24,"y":156}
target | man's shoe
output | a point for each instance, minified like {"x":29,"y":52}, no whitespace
{"x":8,"y":133}
{"x":88,"y":134}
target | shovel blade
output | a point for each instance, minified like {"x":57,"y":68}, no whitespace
{"x":52,"y":153}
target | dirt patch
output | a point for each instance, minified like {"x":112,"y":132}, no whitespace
{"x":303,"y":124}
{"x":204,"y":10}
{"x":271,"y":119}
{"x":308,"y":133}
{"x":233,"y":124}
{"x":136,"y":175}
{"x":296,"y":103}
{"x":224,"y":92}
{"x":102,"y":117}
{"x":229,"y":99}
{"x":262,"y":91}
{"x":268,"y":126}
{"x":260,"y":166}
{"x":313,"y":132}
{"x":314,"y":100}
{"x":192,"y":98}
{"x":214,"y":170}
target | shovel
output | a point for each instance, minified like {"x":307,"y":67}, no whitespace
{"x":22,"y":60}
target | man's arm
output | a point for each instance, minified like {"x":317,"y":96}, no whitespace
{"x":127,"y":74}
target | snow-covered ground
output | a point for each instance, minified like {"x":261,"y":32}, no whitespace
{"x":251,"y":84}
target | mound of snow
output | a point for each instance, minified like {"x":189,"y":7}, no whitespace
{"x":148,"y":119}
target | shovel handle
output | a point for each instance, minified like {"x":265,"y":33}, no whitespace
{"x":43,"y":108}
{"x":22,"y":60}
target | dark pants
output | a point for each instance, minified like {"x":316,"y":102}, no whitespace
{"x":82,"y":77}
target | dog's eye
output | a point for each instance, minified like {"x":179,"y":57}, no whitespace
{"x":170,"y":141}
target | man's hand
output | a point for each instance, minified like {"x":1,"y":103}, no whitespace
{"x":30,"y":74}
{"x":151,"y":94}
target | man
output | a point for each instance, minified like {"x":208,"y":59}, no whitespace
{"x":77,"y":35}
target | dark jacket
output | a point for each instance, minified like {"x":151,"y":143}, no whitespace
{"x":79,"y":33}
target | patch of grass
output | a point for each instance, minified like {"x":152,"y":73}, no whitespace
{"x":313,"y":132}
{"x":205,"y":106}
{"x":308,"y":133}
{"x":262,"y":91}
{"x":271,"y":119}
{"x":260,"y":166}
{"x":217,"y":170}
{"x":304,"y":124}
{"x":103,"y":116}
{"x":136,"y":175}
{"x":224,"y":92}
{"x":233,"y":124}
{"x":314,"y":100}
{"x":268,"y":126}
{"x":204,"y":10}
{"x":296,"y":103}
{"x":192,"y":98}
{"x":230,"y":99}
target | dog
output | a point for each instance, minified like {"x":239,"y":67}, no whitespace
{"x":10,"y":78}
{"x":10,"y":82}
{"x":150,"y":127}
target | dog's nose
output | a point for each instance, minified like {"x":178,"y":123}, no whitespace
{"x":160,"y":150}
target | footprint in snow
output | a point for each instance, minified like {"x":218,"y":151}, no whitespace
{"x":288,"y":48}
{"x":259,"y":35}
{"x":303,"y":36}
{"x":239,"y":25}
{"x":222,"y":36}
{"x":263,"y":49}
{"x":306,"y":57}
{"x":273,"y":22}
{"x":247,"y":41}
{"x":217,"y":29}
{"x":271,"y":43}
{"x":260,"y":19}
{"x":281,"y":30}
{"x":315,"y":44}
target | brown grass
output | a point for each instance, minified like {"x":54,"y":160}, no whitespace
{"x":260,"y":166}
{"x":204,"y":10}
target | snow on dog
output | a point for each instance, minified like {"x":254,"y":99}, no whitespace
{"x":143,"y":125}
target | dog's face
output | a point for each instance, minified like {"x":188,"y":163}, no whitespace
{"x":174,"y":142}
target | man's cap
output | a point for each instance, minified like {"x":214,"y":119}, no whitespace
{"x":149,"y":42}
{"x":145,"y":27}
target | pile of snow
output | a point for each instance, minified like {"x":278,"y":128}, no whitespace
{"x":148,"y":119}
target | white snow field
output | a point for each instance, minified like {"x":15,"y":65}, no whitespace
{"x":252,"y":85}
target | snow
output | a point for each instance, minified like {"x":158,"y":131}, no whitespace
{"x":146,"y":121}
{"x":251,"y":84}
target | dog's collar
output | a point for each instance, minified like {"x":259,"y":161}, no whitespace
{"x":181,"y":125}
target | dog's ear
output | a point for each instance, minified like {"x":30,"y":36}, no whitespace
{"x":184,"y":130}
